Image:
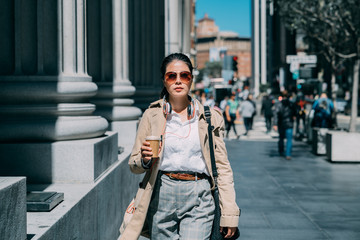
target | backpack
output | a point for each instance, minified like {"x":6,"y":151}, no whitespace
{"x":324,"y":108}
{"x":323,"y":115}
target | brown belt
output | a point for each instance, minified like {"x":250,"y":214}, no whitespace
{"x":185,"y":176}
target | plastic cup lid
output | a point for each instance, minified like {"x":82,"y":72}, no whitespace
{"x":153,"y":138}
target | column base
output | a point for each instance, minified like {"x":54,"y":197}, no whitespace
{"x":52,"y":128}
{"x":81,"y":161}
{"x":126,"y":131}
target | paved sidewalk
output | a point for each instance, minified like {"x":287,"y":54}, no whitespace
{"x":304,"y":198}
{"x":258,"y":132}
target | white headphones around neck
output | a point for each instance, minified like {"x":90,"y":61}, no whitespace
{"x":190,"y":108}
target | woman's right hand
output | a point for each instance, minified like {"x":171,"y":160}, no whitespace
{"x":146,"y":152}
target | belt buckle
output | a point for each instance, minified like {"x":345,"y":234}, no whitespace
{"x":170,"y":176}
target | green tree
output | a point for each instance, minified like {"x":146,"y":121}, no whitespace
{"x":335,"y":26}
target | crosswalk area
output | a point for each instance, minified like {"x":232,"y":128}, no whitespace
{"x":257,"y":133}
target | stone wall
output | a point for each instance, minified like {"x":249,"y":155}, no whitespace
{"x":12,"y":208}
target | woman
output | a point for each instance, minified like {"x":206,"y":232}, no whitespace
{"x":177,"y":201}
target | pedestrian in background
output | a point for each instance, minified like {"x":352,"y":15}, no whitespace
{"x":284,"y":117}
{"x":203,"y":98}
{"x":247,"y":110}
{"x":222,"y":106}
{"x":250,"y":97}
{"x":267,"y":111}
{"x":177,"y":202}
{"x":197,"y":95}
{"x":223,"y":103}
{"x":323,"y":112}
{"x":245,"y":93}
{"x":232,"y":113}
{"x":300,"y":115}
{"x":210,"y":101}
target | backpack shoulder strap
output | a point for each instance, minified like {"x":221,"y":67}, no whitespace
{"x":212,"y":154}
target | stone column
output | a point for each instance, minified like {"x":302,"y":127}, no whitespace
{"x":263,"y":42}
{"x":44,"y":85}
{"x":108,"y":65}
{"x":173,"y":26}
{"x":186,"y":29}
{"x":146,"y":49}
{"x":44,"y":89}
{"x":255,"y":47}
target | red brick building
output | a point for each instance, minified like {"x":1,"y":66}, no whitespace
{"x":210,"y":40}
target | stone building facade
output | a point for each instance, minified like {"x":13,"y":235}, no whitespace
{"x":209,"y":36}
{"x":74,"y":75}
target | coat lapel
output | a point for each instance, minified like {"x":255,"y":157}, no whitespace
{"x":204,"y":138}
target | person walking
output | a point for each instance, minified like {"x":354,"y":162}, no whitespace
{"x":300,"y":116}
{"x":210,"y":101}
{"x":177,"y":202}
{"x":245,"y":93}
{"x":223,"y":103}
{"x":222,"y":106}
{"x":250,"y":97}
{"x":247,"y":110}
{"x":203,"y":98}
{"x":267,"y":111}
{"x":232,"y":113}
{"x":284,"y":117}
{"x":323,"y":112}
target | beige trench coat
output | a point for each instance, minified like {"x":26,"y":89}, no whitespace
{"x":152,"y":123}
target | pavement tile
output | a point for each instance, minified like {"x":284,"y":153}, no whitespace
{"x":343,"y":234}
{"x":283,"y":234}
{"x":351,"y":208}
{"x":280,"y":220}
{"x":321,"y":207}
{"x":307,"y":197}
{"x":253,"y":219}
{"x":341,"y":222}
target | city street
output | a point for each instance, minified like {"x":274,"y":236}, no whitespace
{"x":306,"y":197}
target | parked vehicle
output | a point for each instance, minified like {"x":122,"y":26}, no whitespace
{"x":347,"y":109}
{"x":340,"y":105}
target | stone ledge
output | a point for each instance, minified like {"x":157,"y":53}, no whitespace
{"x":343,"y":146}
{"x":12,"y":208}
{"x":95,"y":209}
{"x":80,"y":161}
{"x":126,"y":131}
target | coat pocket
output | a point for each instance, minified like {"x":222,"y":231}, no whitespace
{"x":130,"y":210}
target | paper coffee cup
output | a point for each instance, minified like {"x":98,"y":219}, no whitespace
{"x":154,"y":144}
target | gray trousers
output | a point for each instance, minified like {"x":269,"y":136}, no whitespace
{"x":180,"y":209}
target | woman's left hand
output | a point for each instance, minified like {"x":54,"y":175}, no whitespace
{"x":230,"y":231}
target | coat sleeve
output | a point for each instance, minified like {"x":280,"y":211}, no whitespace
{"x":230,"y":212}
{"x":142,"y":132}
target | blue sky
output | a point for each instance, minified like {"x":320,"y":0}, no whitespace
{"x":229,"y":15}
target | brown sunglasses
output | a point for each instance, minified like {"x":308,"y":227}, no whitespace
{"x":171,"y":77}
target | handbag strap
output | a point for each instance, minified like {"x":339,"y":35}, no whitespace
{"x":212,"y":154}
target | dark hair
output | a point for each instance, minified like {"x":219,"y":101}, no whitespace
{"x":167,"y":60}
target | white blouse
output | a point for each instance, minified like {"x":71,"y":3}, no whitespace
{"x":182,"y":149}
